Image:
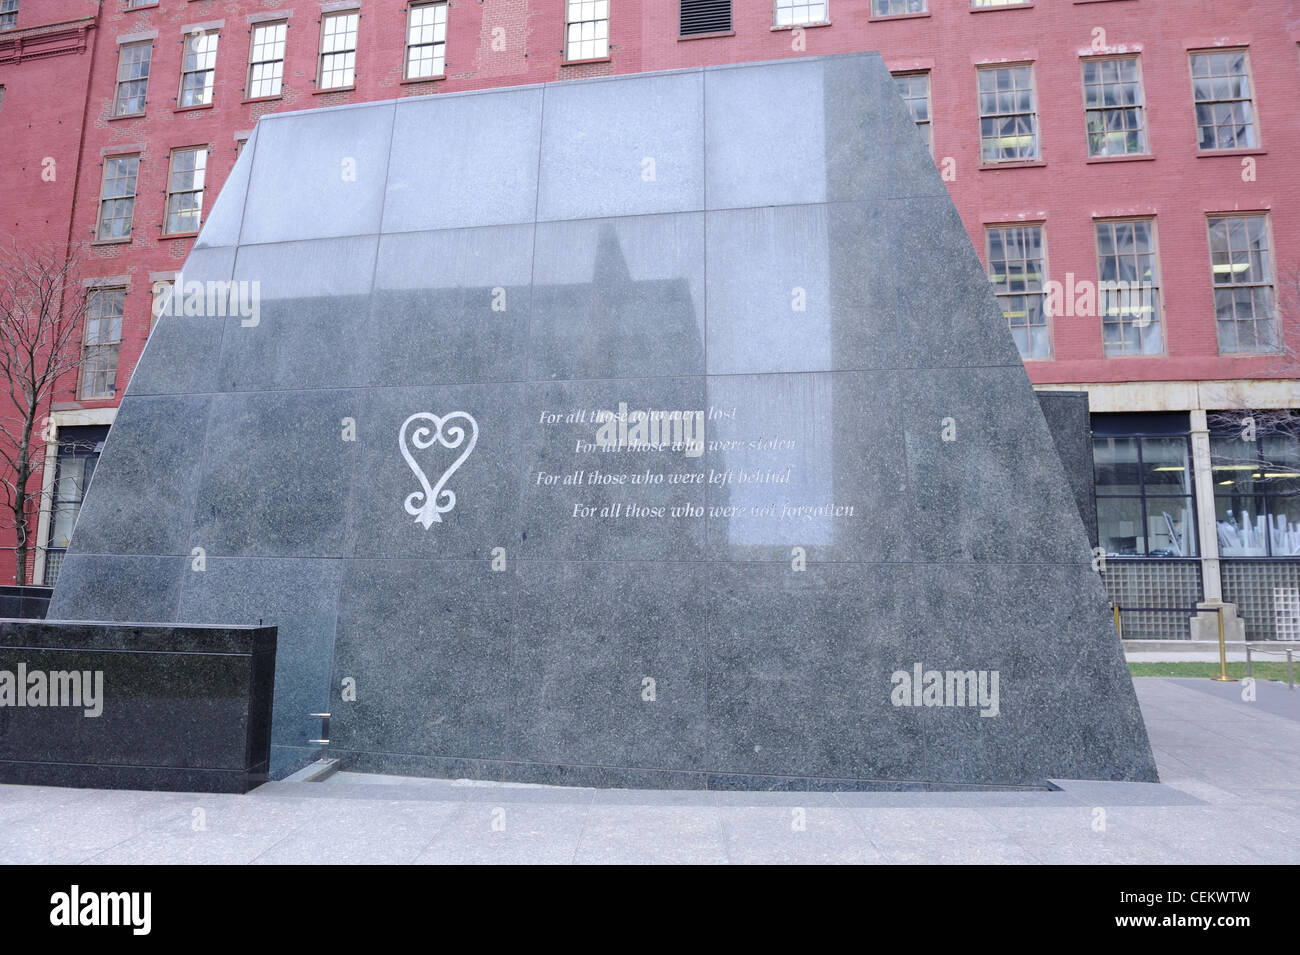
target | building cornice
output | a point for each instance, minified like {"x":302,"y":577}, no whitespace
{"x":51,"y":39}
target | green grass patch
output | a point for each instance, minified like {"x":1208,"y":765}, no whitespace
{"x":1267,"y":670}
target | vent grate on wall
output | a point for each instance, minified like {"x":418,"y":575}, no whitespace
{"x":705,"y":16}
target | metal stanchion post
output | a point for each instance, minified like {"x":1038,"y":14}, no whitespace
{"x":1223,"y":656}
{"x":1290,"y":670}
{"x":1119,"y":626}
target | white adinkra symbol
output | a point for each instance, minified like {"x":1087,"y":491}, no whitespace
{"x":428,"y":505}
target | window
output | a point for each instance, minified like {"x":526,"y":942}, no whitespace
{"x":1128,"y":288}
{"x":915,"y":90}
{"x":132,"y":78}
{"x":1144,"y":494}
{"x":338,"y":50}
{"x":162,"y":290}
{"x":1017,"y":268}
{"x":894,"y":8}
{"x":798,"y":12}
{"x":266,"y":60}
{"x":1225,"y":114}
{"x":185,"y":181}
{"x":704,"y":16}
{"x":1242,"y":271}
{"x":1008,"y":114}
{"x":117,"y":197}
{"x":103,"y":335}
{"x":426,"y":40}
{"x":1114,"y":107}
{"x":79,"y":450}
{"x":586,"y":30}
{"x":2,"y":97}
{"x":984,"y":4}
{"x":8,"y":14}
{"x":198,"y":67}
{"x":132,"y":4}
{"x":1257,"y":484}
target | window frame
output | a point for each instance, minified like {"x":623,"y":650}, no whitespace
{"x":104,"y":198}
{"x":206,"y":151}
{"x":1271,"y":284}
{"x":87,"y":452}
{"x":253,"y":64}
{"x":875,"y":14}
{"x":1037,"y":134}
{"x":9,"y":18}
{"x":1141,"y":107}
{"x":1191,"y":535}
{"x":210,"y":87}
{"x":1221,"y":462}
{"x":568,"y":44}
{"x":1157,"y":286}
{"x":1255,"y":127}
{"x":118,"y":82}
{"x":159,"y":290}
{"x":408,"y":46}
{"x":112,"y":347}
{"x":929,"y":101}
{"x":1049,"y":324}
{"x":776,"y":9}
{"x":322,"y":52}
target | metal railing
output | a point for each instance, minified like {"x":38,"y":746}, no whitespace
{"x":1290,"y":663}
{"x":1116,"y":609}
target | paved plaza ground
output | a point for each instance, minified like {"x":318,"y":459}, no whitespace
{"x":1230,"y":794}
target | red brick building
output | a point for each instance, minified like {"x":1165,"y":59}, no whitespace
{"x":1124,"y":167}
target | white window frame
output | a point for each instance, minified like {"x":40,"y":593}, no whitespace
{"x":592,"y":35}
{"x":258,"y":41}
{"x":348,"y":71}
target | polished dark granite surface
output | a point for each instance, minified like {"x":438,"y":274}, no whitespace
{"x":135,"y":705}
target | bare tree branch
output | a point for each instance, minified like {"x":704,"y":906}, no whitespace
{"x":42,"y":319}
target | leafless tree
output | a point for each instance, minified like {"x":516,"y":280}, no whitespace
{"x":42,"y":314}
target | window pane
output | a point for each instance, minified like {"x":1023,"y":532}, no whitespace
{"x":1241,"y":526}
{"x":1224,"y":111}
{"x":1016,"y":268}
{"x":1170,"y":527}
{"x":1119,"y":526}
{"x":1115,"y":465}
{"x":1166,"y":466}
{"x":1242,"y":272}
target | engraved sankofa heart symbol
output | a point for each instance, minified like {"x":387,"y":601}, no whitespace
{"x":432,"y":501}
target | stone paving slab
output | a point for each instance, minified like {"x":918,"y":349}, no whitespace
{"x":1230,"y":794}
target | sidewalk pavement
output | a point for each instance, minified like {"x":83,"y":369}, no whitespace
{"x":1230,"y":794}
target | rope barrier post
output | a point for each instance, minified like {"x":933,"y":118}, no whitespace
{"x":1119,"y":627}
{"x":1223,"y":656}
{"x":1290,"y":670}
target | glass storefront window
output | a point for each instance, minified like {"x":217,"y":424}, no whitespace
{"x":1144,"y":496}
{"x":1257,"y":489}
